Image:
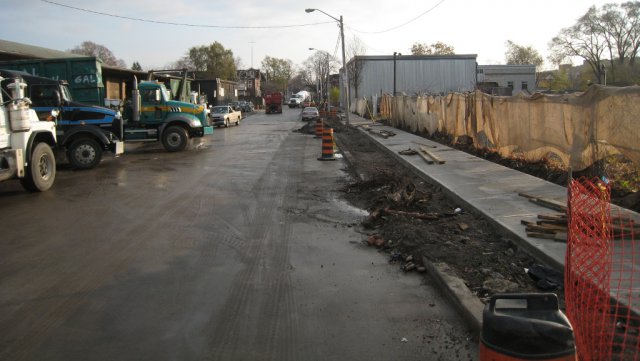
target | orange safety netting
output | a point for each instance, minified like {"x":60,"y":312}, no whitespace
{"x":602,"y":275}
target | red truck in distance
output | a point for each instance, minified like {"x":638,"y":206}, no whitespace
{"x":273,"y":103}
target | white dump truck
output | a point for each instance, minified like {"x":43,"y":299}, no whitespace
{"x":25,"y":141}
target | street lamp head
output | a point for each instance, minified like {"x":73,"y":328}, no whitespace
{"x":309,"y":10}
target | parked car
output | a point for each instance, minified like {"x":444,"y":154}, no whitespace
{"x":235,"y":105}
{"x":247,"y":107}
{"x":310,"y":113}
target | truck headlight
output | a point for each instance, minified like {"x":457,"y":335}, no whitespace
{"x":196,"y":123}
{"x":118,"y":115}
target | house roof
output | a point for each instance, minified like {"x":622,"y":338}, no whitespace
{"x":10,"y":50}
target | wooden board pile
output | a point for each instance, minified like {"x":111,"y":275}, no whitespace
{"x":549,"y":226}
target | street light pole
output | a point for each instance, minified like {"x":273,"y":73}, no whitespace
{"x":344,"y":62}
{"x":395,"y":55}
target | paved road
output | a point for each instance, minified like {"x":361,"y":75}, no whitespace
{"x":238,"y":249}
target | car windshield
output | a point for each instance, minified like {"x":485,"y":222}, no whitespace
{"x":219,"y":110}
{"x":310,"y":110}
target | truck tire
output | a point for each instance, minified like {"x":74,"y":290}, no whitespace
{"x":41,"y":171}
{"x":175,"y":139}
{"x":84,"y":153}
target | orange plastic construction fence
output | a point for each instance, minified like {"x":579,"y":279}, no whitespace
{"x":602,"y":275}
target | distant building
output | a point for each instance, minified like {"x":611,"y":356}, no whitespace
{"x":216,"y":91}
{"x":250,"y":83}
{"x":518,"y":78}
{"x":413,"y":74}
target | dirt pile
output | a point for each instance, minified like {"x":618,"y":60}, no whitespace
{"x":411,"y":219}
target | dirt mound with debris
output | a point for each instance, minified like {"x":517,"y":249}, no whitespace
{"x":411,"y":219}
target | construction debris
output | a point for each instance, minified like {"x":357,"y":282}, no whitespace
{"x":408,"y":151}
{"x":549,"y":226}
{"x":545,"y":202}
{"x":382,"y":133}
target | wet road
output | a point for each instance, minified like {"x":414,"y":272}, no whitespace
{"x":238,"y":249}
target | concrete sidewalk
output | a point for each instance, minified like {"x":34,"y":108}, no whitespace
{"x":484,"y":187}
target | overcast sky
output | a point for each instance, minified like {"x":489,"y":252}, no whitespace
{"x":479,"y":27}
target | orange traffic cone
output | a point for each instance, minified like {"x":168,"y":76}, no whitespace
{"x":327,"y":145}
{"x":319,"y":127}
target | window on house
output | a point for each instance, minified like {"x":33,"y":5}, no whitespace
{"x":510,"y":84}
{"x":525,"y":86}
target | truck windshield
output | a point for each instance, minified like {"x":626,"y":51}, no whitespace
{"x":66,"y":93}
{"x":220,"y":110}
{"x":165,"y":92}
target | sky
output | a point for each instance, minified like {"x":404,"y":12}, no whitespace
{"x":253,"y":29}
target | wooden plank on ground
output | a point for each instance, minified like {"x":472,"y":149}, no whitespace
{"x":433,"y":156}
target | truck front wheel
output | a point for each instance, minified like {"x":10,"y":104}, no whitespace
{"x":84,"y":153}
{"x":175,"y":139}
{"x":41,"y":171}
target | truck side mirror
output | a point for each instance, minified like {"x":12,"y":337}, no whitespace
{"x":157,"y":95}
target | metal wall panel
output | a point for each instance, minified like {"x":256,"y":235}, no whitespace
{"x":416,"y":75}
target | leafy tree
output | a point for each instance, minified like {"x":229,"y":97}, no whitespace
{"x":136,"y":66}
{"x":89,"y":48}
{"x":209,"y":61}
{"x":522,"y":55}
{"x":279,"y":71}
{"x":438,"y":48}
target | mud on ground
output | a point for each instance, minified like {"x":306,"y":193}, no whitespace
{"x":411,"y":219}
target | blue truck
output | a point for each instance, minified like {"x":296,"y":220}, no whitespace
{"x":87,"y":128}
{"x":83,"y":131}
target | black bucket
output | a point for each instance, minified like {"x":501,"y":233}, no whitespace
{"x":527,"y":326}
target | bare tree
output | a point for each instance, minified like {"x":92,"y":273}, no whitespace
{"x":355,"y":64}
{"x":321,"y":64}
{"x":613,"y":29}
{"x":581,"y":40}
{"x":101,"y":52}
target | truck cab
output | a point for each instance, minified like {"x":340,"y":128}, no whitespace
{"x":25,"y":141}
{"x":153,"y":116}
{"x":83,"y":131}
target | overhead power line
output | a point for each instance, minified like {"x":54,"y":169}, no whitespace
{"x":401,"y":25}
{"x":184,"y":24}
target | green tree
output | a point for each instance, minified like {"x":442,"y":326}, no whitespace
{"x":279,"y":71}
{"x":136,"y":66}
{"x":89,"y":48}
{"x":522,"y":55}
{"x":209,"y":61}
{"x":438,"y":48}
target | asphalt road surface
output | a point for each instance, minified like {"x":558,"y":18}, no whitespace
{"x":237,"y":249}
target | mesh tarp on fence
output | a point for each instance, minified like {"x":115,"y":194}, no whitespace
{"x":602,"y":275}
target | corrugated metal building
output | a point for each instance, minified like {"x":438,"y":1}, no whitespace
{"x":414,"y":74}
{"x":517,"y":77}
